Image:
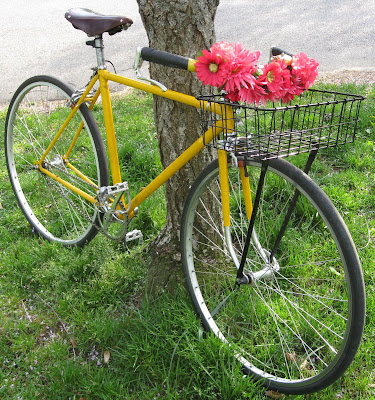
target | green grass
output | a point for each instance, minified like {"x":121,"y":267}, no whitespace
{"x":63,"y":310}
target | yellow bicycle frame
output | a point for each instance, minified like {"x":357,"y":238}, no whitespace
{"x":104,"y":77}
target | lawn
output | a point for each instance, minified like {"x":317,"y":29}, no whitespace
{"x":74,"y":323}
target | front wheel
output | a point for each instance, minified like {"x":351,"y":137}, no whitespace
{"x":37,"y":111}
{"x":297,"y":324}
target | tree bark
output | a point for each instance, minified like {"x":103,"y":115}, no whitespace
{"x":183,"y":27}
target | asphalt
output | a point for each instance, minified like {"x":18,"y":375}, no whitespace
{"x":36,"y":38}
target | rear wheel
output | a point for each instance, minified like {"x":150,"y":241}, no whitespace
{"x":37,"y":111}
{"x":297,"y":324}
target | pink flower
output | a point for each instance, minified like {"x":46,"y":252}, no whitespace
{"x":304,"y":69}
{"x":210,"y":69}
{"x":224,"y":50}
{"x":242,"y":69}
{"x":287,"y":97}
{"x":273,"y":76}
{"x":276,"y":79}
{"x":256,"y":93}
{"x":233,"y":96}
{"x":232,"y":67}
{"x":273,"y":79}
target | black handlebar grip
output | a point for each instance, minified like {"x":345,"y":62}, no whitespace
{"x":275,"y":51}
{"x":164,"y":58}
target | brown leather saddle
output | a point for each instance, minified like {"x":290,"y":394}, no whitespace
{"x":95,"y":24}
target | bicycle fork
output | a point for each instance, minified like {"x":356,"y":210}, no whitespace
{"x":267,"y":256}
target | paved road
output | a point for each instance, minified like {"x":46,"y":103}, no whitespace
{"x":36,"y":38}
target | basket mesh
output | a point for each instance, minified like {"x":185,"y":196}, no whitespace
{"x":314,"y":120}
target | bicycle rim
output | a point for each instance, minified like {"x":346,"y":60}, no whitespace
{"x":38,"y":110}
{"x":298,"y":328}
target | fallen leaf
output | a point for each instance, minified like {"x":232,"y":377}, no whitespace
{"x":291,"y":356}
{"x":304,"y":366}
{"x":106,"y":356}
{"x":274,"y":395}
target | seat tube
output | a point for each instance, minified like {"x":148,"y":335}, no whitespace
{"x":110,"y":129}
{"x":107,"y":111}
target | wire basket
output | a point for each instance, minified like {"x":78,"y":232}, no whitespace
{"x":316,"y":119}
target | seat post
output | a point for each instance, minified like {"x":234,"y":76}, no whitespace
{"x":97,"y":43}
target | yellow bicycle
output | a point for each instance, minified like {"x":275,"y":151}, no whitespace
{"x":269,"y":263}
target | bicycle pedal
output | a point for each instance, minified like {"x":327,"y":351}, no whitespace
{"x":134,"y":235}
{"x":106,"y":191}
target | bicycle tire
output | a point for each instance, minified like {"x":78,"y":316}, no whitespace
{"x":37,"y":110}
{"x":299,"y":331}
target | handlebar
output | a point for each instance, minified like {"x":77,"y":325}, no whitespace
{"x":276,"y":51}
{"x":167,"y":59}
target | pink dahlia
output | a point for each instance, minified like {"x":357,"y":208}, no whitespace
{"x":255,"y":93}
{"x":295,"y":89}
{"x":304,"y":69}
{"x":224,"y":50}
{"x":210,"y":69}
{"x":276,"y":79}
{"x":242,"y":69}
{"x":233,"y":96}
{"x":272,"y":77}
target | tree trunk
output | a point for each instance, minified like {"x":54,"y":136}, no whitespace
{"x":183,"y":27}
